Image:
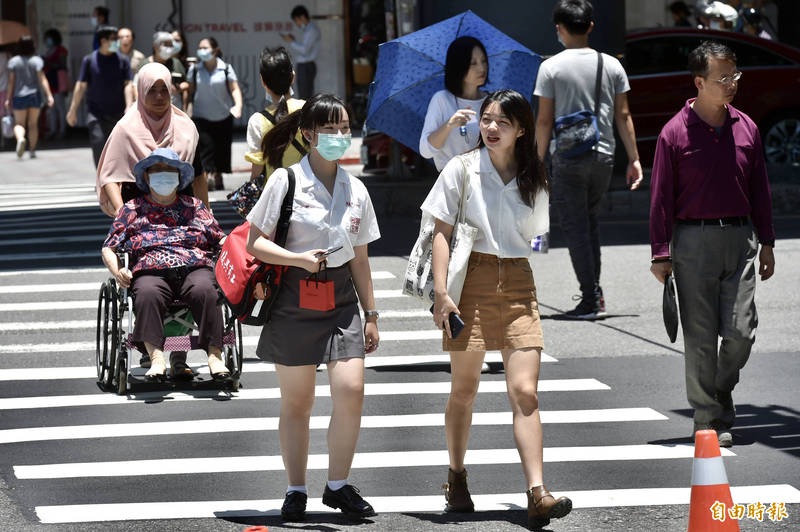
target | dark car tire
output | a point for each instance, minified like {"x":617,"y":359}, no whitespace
{"x":780,"y":135}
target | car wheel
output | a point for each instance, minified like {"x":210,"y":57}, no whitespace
{"x":782,"y":141}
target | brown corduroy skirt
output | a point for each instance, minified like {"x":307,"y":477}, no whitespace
{"x":498,"y":306}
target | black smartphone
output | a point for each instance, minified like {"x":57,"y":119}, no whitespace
{"x":456,"y":323}
{"x":328,"y":251}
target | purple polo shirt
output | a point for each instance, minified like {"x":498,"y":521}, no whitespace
{"x":700,"y":174}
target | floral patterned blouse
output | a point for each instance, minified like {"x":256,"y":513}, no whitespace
{"x":159,"y":237}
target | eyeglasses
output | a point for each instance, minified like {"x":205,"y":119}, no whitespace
{"x":729,"y":80}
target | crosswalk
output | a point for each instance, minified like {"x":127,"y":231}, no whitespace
{"x":75,"y":454}
{"x":37,"y":197}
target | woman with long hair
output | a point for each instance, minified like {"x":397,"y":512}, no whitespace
{"x":331,"y":225}
{"x":507,"y":202}
{"x":25,"y":76}
{"x":277,"y":76}
{"x":451,"y":126}
{"x":215,"y":100}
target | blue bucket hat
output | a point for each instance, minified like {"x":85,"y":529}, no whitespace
{"x":166,"y":156}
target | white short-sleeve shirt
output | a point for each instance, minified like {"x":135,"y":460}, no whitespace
{"x":318,"y":220}
{"x":442,"y":106}
{"x":506,"y":225}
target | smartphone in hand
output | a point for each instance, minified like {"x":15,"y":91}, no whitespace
{"x":328,"y":251}
{"x":456,"y":323}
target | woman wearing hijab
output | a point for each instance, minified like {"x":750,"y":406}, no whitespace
{"x":152,"y":123}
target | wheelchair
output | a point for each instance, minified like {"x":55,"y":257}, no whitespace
{"x":116,"y":353}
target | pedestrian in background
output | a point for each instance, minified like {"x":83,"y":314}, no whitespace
{"x":508,"y":204}
{"x":105,"y":78}
{"x":163,"y":53}
{"x":306,"y":50}
{"x":126,"y":41}
{"x":152,"y":123}
{"x":181,"y":47}
{"x":99,"y":18}
{"x":332,"y":209}
{"x":710,"y":208}
{"x":277,"y":75}
{"x":567,"y":83}
{"x":451,"y":126}
{"x":25,"y":78}
{"x":4,"y":57}
{"x":680,"y":14}
{"x":215,"y":100}
{"x":56,"y":70}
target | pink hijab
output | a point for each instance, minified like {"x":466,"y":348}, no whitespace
{"x":137,"y":134}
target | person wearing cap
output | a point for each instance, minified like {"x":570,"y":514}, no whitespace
{"x":171,"y":238}
{"x":710,"y":209}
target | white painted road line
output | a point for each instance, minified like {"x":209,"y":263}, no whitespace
{"x":251,"y":424}
{"x":90,"y":325}
{"x":371,"y":389}
{"x":55,"y":288}
{"x":373,"y":460}
{"x":90,"y":372}
{"x":52,"y":272}
{"x":248,"y":341}
{"x":80,"y":513}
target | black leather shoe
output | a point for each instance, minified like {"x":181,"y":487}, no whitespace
{"x":294,"y":506}
{"x":348,"y":501}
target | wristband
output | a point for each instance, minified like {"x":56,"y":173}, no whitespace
{"x":658,"y":260}
{"x":371,"y":313}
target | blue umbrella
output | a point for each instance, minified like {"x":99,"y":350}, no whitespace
{"x":411,"y":70}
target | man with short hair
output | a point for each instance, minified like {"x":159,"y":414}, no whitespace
{"x":135,"y":57}
{"x":107,"y":76}
{"x":710,"y":208}
{"x":99,"y":18}
{"x":305,"y":51}
{"x":567,"y":83}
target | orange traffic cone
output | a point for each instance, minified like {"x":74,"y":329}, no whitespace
{"x":711,"y":495}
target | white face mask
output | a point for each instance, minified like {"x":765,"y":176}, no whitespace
{"x":715,"y":25}
{"x":177,"y":47}
{"x":267,"y":97}
{"x":94,"y":21}
{"x":165,"y":52}
{"x":204,"y":54}
{"x":114,"y":46}
{"x":164,"y":183}
{"x":560,"y":40}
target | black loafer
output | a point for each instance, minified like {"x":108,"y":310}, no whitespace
{"x":348,"y":501}
{"x":294,"y":506}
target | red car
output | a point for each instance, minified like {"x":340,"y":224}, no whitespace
{"x":769,"y":90}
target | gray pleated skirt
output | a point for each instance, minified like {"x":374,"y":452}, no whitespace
{"x":296,"y":336}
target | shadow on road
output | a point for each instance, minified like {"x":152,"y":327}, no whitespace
{"x":775,"y":426}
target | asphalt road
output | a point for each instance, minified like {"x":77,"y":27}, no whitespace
{"x":616,"y":420}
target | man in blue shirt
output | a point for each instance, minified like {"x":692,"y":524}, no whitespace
{"x":106,"y":75}
{"x":305,"y":52}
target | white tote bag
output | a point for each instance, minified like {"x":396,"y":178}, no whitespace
{"x":418,"y":280}
{"x":8,"y":126}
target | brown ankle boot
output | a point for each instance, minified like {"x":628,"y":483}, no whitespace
{"x":456,"y":493}
{"x":542,"y":506}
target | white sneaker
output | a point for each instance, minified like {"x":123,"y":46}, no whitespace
{"x":20,"y":148}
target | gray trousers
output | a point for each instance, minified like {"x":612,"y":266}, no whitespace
{"x":100,"y":128}
{"x":577,"y":187}
{"x":715,"y":273}
{"x":305,"y":74}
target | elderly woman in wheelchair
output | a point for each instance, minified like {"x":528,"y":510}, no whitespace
{"x":171,"y":239}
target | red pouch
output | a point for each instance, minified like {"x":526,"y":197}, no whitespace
{"x":316,"y":294}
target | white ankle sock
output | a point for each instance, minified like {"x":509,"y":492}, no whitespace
{"x":301,"y":489}
{"x":337,"y":484}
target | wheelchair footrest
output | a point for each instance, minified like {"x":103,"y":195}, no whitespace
{"x":186,"y":343}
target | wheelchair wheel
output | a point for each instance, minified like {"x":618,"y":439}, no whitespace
{"x":234,"y":354}
{"x":107,"y":333}
{"x":121,"y":370}
{"x":111,"y":330}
